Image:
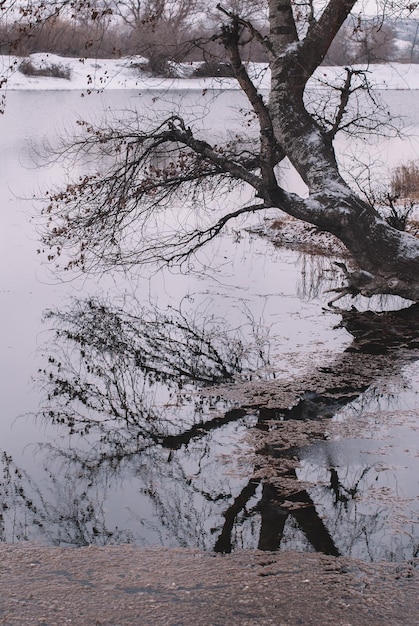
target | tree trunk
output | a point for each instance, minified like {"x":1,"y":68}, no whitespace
{"x":134,"y":190}
{"x":388,"y":259}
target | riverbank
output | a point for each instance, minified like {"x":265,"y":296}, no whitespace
{"x":129,"y":586}
{"x":90,"y":75}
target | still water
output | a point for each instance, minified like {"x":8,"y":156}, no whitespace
{"x":129,"y":414}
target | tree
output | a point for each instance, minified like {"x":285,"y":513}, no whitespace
{"x":147,"y":168}
{"x":377,"y":43}
{"x":158,"y":29}
{"x":363,"y":41}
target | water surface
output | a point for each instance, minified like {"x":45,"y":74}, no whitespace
{"x":110,"y":432}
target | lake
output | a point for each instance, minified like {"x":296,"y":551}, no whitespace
{"x":215,"y":406}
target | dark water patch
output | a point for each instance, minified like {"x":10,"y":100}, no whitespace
{"x":198,"y":430}
{"x":386,"y":329}
{"x":155,"y":438}
{"x":348,"y":495}
{"x":208,"y":473}
{"x":313,"y":405}
{"x":224,"y":541}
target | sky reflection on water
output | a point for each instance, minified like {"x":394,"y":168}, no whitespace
{"x":125,"y":479}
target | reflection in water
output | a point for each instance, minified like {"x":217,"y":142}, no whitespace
{"x":352,"y":495}
{"x":127,"y":371}
{"x":155,"y":452}
{"x":67,"y":511}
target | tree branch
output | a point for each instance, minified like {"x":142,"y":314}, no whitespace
{"x":199,"y":238}
{"x":321,"y":33}
{"x":254,"y":32}
{"x":226,"y":164}
{"x":270,"y":151}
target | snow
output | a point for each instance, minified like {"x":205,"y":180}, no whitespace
{"x":408,"y":247}
{"x":99,"y":74}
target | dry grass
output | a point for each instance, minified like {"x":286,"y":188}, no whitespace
{"x":54,"y":70}
{"x":404,"y":181}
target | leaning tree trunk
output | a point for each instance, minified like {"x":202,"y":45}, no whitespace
{"x":388,"y":259}
{"x":94,"y":217}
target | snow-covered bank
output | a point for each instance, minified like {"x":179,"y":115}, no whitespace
{"x":98,"y":74}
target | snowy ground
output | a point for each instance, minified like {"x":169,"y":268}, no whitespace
{"x":99,"y":74}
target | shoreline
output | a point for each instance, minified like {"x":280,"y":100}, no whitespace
{"x":126,"y":585}
{"x":96,"y":75}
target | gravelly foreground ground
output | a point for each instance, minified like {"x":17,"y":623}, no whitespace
{"x":125,"y":585}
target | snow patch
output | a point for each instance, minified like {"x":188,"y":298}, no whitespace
{"x":295,"y":234}
{"x":126,"y":73}
{"x":408,"y":246}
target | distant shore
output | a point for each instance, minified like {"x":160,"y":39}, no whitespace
{"x":125,"y":73}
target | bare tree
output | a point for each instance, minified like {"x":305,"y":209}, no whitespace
{"x":161,"y":30}
{"x":97,"y":217}
{"x":363,"y":41}
{"x":376,"y":42}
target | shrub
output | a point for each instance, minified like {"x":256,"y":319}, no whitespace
{"x":62,"y":37}
{"x":399,"y":214}
{"x":158,"y":65}
{"x":398,"y":201}
{"x":54,"y":70}
{"x":404,"y":181}
{"x":212,"y":69}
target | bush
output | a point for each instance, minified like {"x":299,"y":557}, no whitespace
{"x":55,"y":70}
{"x":399,"y":214}
{"x":212,"y":69}
{"x":404,"y":181}
{"x":158,"y":65}
{"x":400,"y":202}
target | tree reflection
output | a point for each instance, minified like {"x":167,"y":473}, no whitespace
{"x":64,"y":510}
{"x":121,"y":368}
{"x":156,"y":454}
{"x":383,"y":344}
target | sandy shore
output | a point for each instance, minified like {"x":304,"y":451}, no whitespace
{"x":125,"y":585}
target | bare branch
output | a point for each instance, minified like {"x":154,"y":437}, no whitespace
{"x":247,"y":24}
{"x":199,"y":238}
{"x":321,"y":33}
{"x":148,"y":172}
{"x":270,"y":151}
